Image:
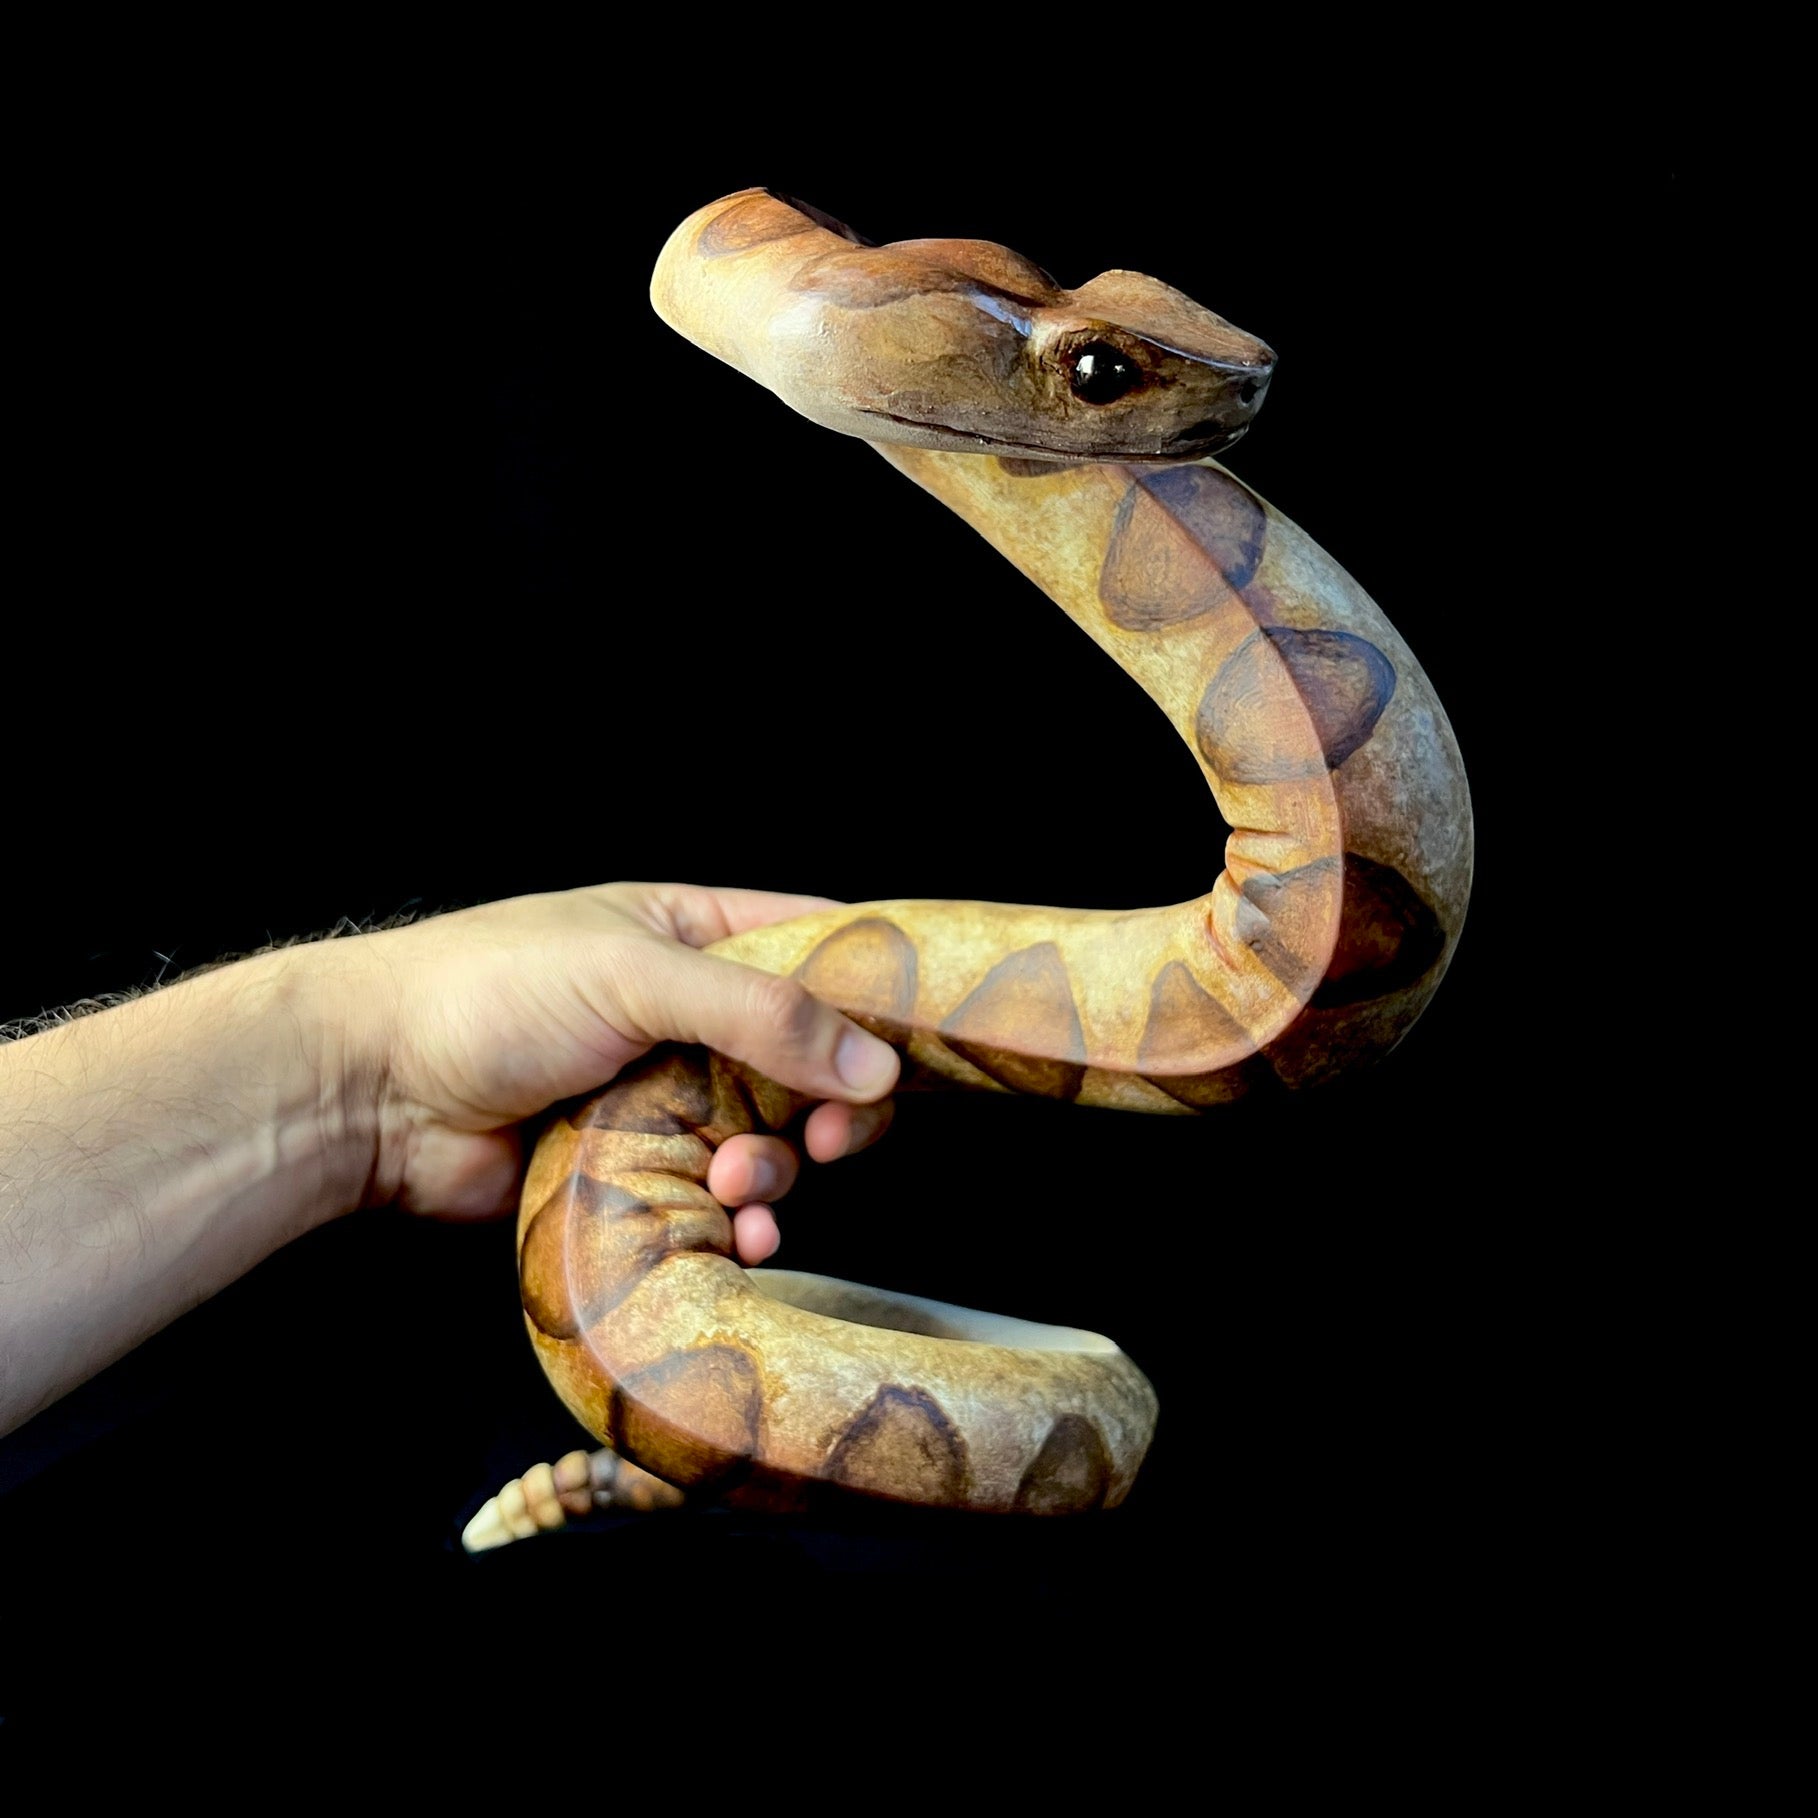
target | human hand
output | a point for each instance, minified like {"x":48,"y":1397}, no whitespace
{"x":152,"y":1152}
{"x":483,"y":1018}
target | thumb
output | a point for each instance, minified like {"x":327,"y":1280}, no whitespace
{"x":670,"y":992}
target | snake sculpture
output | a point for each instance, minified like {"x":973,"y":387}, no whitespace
{"x":1074,"y":430}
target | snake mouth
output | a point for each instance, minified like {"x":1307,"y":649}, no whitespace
{"x":1194,"y":445}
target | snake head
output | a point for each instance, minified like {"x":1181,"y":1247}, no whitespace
{"x":1128,"y":368}
{"x":957,"y":344}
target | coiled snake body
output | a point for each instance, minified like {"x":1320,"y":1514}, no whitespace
{"x":1073,"y":430}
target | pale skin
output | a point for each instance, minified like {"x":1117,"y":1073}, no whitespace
{"x":152,"y":1152}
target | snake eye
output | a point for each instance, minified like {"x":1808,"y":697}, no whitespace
{"x":1101,"y":373}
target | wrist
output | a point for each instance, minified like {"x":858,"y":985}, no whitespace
{"x":266,"y":1076}
{"x":323,"y":1013}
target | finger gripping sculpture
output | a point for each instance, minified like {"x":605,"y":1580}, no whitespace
{"x":1073,"y":429}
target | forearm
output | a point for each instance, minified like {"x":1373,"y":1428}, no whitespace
{"x":151,"y":1153}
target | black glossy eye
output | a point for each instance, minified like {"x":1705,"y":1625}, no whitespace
{"x":1101,"y":374}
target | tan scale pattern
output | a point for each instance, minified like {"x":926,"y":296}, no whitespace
{"x":1318,"y":941}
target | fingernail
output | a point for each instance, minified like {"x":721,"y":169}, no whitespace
{"x":865,"y":1125}
{"x":864,"y":1062}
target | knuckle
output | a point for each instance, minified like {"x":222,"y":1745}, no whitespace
{"x":785,"y":1005}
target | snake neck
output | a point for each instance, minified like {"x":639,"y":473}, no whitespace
{"x":1346,"y":871}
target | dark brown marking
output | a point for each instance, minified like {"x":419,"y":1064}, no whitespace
{"x":868,"y":966}
{"x":1023,"y":1072}
{"x":607,"y":1261}
{"x":1187,"y":1027}
{"x":1296,"y":904}
{"x":1020,"y":1026}
{"x":776,"y":1492}
{"x":606,"y":1196}
{"x":1345,"y":681}
{"x":1070,"y":1474}
{"x":1289,"y":964}
{"x":821,"y":218}
{"x":693,"y":1418}
{"x":594,"y":1241}
{"x":1225,"y":518}
{"x":903,"y":1437}
{"x":755,"y":221}
{"x":543,"y":1271}
{"x":646,"y":1112}
{"x":1388,"y":936}
{"x":745,"y":1100}
{"x":1019,"y":468}
{"x":1223,"y":1086}
{"x":1262,"y":603}
{"x":990,"y":266}
{"x":1185,"y":540}
{"x":1287,"y":704}
{"x":776,"y":1105}
{"x":883,"y":275}
{"x":668,"y":1093}
{"x":874,"y":279}
{"x":1282,"y":895}
{"x":733,"y":1112}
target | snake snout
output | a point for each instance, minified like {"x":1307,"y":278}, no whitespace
{"x":1247,"y":384}
{"x":1238,"y":397}
{"x":1254,"y":383}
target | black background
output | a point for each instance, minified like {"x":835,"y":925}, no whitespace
{"x":382,"y":552}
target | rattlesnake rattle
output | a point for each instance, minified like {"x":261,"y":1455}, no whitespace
{"x":1075,"y":431}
